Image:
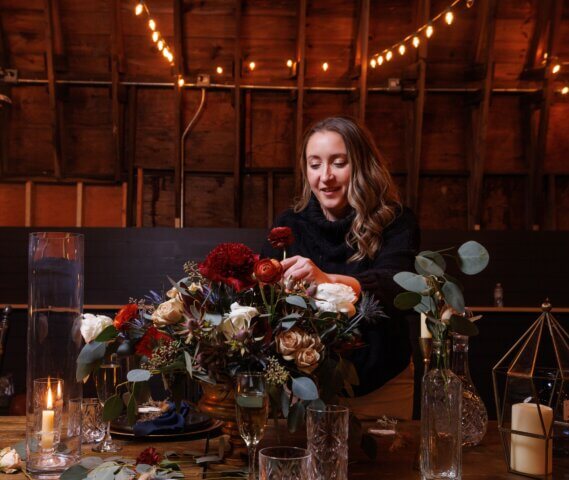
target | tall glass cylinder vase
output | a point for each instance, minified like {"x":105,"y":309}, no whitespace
{"x":474,"y":414}
{"x":441,"y":402}
{"x":55,"y":306}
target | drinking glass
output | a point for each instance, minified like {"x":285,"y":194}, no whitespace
{"x":285,"y":463}
{"x":252,"y":408}
{"x":106,"y":381}
{"x":327,"y":436}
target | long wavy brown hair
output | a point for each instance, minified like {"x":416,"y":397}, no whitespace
{"x":371,"y":193}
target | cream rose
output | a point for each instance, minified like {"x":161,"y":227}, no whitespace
{"x":168,"y":313}
{"x":239,"y":318}
{"x":295,"y":339}
{"x":336,"y":297}
{"x":10,"y":461}
{"x":93,"y":325}
{"x":307,"y":359}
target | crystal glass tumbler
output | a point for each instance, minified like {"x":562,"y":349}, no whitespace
{"x":285,"y":463}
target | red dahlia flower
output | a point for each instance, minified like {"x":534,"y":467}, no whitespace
{"x":232,"y":264}
{"x":125,"y":315}
{"x":281,"y":237}
{"x":150,"y":340}
{"x":149,"y":456}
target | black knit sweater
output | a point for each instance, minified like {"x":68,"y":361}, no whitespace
{"x":388,"y":348}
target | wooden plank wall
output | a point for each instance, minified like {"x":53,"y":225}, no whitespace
{"x":475,"y":137}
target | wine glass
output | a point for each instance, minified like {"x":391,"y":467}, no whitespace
{"x":252,"y":406}
{"x":106,"y":380}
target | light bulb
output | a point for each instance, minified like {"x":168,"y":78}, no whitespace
{"x":152,"y":24}
{"x":429,"y":31}
{"x":170,"y":56}
{"x":325,"y":66}
{"x":401,"y":49}
{"x":181,"y":82}
{"x":160,"y":44}
{"x":219,"y":70}
{"x":416,"y":41}
{"x":166,"y":52}
{"x":373,"y":63}
{"x":155,"y":36}
{"x":449,"y":17}
{"x":556,"y":68}
{"x":469,"y":3}
{"x":565,"y":90}
{"x":138,"y":9}
{"x":289,"y":63}
{"x":380,"y":60}
{"x":252,"y":66}
{"x":388,"y":55}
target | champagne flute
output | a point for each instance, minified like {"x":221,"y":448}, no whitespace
{"x":252,"y":407}
{"x":106,"y":380}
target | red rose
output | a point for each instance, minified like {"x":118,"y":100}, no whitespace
{"x":232,"y":264}
{"x":281,"y":237}
{"x":150,"y":340}
{"x":149,"y":457}
{"x":125,"y":315}
{"x":268,"y":271}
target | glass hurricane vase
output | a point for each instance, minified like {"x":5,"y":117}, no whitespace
{"x":441,"y":403}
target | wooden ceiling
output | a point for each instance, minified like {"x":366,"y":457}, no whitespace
{"x":473,"y":122}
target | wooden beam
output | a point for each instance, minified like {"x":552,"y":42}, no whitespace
{"x":535,"y":46}
{"x":270,"y":199}
{"x":130,"y":153}
{"x":4,"y":107}
{"x":300,"y":80}
{"x":79,"y":204}
{"x":528,"y":130}
{"x":237,"y":161}
{"x":413,"y":152}
{"x":117,"y":68}
{"x":178,"y":100}
{"x":543,"y":127}
{"x":139,"y":195}
{"x":28,"y":215}
{"x":53,"y":38}
{"x":124,"y":205}
{"x":362,"y":54}
{"x":477,"y":154}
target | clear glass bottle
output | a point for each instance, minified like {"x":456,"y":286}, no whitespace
{"x":474,"y":414}
{"x":441,"y":402}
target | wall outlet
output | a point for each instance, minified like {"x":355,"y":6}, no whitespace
{"x":203,"y":80}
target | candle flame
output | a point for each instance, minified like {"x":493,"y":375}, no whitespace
{"x":59,"y":390}
{"x":49,"y":402}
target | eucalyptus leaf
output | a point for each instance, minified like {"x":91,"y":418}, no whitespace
{"x":411,"y":282}
{"x":90,"y":462}
{"x":92,"y":351}
{"x":124,"y":473}
{"x":291,"y":316}
{"x":407,"y":300}
{"x":463,"y":326}
{"x":304,"y":388}
{"x":288,"y":325}
{"x":472,"y":257}
{"x":297,"y":301}
{"x":138,"y":375}
{"x":20,"y":447}
{"x":107,"y":334}
{"x":208,"y":459}
{"x":427,"y":266}
{"x":435,"y":257}
{"x":285,"y":403}
{"x":318,"y":404}
{"x":131,"y":410}
{"x":295,"y":417}
{"x":188,"y":360}
{"x":113,"y":408}
{"x":450,"y":278}
{"x":143,"y":468}
{"x":453,"y":296}
{"x":75,"y":472}
{"x":213,"y":318}
{"x":82,"y":371}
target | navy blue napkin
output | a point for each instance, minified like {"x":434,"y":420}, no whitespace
{"x":169,"y":422}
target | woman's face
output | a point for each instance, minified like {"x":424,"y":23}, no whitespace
{"x":328,"y":172}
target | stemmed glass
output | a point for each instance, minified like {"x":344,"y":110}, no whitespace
{"x":252,"y":407}
{"x":106,"y":381}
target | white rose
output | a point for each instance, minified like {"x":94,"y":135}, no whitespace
{"x":93,"y":325}
{"x":168,"y":313}
{"x":239,"y":318}
{"x":336,"y":297}
{"x":9,"y":460}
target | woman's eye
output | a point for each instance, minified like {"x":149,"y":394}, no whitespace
{"x":340,"y":164}
{"x":314,"y":166}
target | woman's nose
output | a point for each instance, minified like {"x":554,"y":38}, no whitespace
{"x":327,"y":175}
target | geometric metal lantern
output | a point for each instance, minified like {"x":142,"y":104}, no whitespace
{"x":531,"y":390}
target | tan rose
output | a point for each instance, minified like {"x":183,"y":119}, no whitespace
{"x":290,"y":341}
{"x":172,"y":293}
{"x":10,"y":461}
{"x":168,"y":313}
{"x":307,"y":359}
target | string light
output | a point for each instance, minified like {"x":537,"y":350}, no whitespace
{"x":219,"y":70}
{"x":380,"y":60}
{"x":155,"y":36}
{"x":416,"y":41}
{"x":152,"y":24}
{"x":325,"y":66}
{"x":138,"y":9}
{"x":388,"y":55}
{"x":556,"y":68}
{"x":429,"y":31}
{"x":401,"y":49}
{"x":469,"y":3}
{"x":373,"y":63}
{"x":565,"y":90}
{"x":289,"y":63}
{"x":181,"y":81}
{"x":449,"y":17}
{"x":160,"y":45}
{"x":252,"y":66}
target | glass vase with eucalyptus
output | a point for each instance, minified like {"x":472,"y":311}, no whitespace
{"x":441,"y":429}
{"x":252,"y":409}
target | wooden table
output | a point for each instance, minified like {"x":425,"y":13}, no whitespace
{"x":485,"y":462}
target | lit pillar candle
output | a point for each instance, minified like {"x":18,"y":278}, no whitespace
{"x":527,"y":453}
{"x":424,"y":330}
{"x":47,"y":423}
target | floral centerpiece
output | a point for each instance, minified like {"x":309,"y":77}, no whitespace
{"x":234,"y":312}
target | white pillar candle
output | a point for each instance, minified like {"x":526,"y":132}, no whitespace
{"x":527,"y":453}
{"x":424,"y":330}
{"x":47,"y":423}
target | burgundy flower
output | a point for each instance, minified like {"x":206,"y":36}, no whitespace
{"x":268,"y":271}
{"x":149,"y":457}
{"x":150,"y":340}
{"x":281,"y":237}
{"x":232,"y":264}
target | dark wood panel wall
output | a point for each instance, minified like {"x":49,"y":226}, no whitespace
{"x":472,"y":122}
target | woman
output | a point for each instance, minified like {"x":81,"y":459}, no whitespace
{"x":350,"y":227}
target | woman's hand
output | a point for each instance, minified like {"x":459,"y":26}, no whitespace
{"x":299,"y":268}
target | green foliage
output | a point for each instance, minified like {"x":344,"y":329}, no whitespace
{"x":113,"y":408}
{"x":109,"y":333}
